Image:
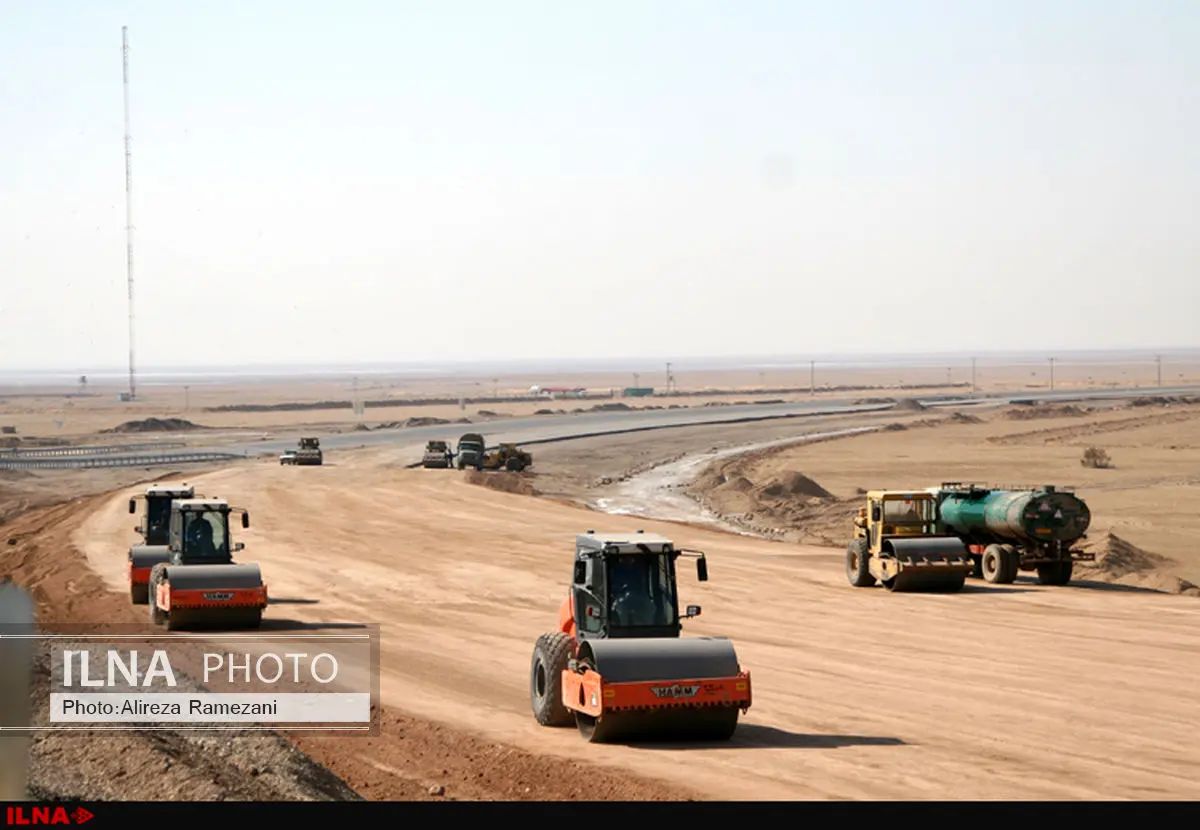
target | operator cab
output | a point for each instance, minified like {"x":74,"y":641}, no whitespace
{"x":155,"y":525}
{"x":903,"y":514}
{"x":200,"y":532}
{"x":625,"y":586}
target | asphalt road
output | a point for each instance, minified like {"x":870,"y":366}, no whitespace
{"x":548,"y":429}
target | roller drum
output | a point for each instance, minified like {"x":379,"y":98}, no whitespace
{"x":639,"y":661}
{"x":636,"y":661}
{"x":214,"y":577}
{"x":929,"y":564}
{"x":147,"y":556}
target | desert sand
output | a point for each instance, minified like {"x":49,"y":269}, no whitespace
{"x":1086,"y":692}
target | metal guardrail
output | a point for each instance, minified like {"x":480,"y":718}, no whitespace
{"x":87,"y":462}
{"x":16,"y":686}
{"x":55,"y":452}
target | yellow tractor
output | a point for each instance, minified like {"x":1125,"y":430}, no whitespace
{"x":899,"y":542}
{"x":507,"y":457}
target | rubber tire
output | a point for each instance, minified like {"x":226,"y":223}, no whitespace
{"x":858,"y":571}
{"x":157,"y":617}
{"x":514,"y":465}
{"x":550,"y":655}
{"x":1012,"y":558}
{"x":995,"y":564}
{"x":139,"y":594}
{"x":1056,"y":573}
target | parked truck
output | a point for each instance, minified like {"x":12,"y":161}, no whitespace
{"x":1007,"y":530}
{"x":471,"y":450}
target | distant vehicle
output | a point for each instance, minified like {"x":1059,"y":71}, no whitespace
{"x":309,"y":453}
{"x":438,"y":455}
{"x":471,"y":449}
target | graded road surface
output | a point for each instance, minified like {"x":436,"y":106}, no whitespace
{"x":1005,"y":692}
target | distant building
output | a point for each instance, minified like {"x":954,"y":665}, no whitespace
{"x":638,"y":391}
{"x":553,"y":392}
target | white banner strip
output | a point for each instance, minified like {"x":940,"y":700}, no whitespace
{"x":210,"y":708}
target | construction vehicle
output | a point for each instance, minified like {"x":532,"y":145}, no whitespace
{"x":438,"y":454}
{"x":899,"y":543}
{"x":471,"y":450}
{"x":617,"y":666}
{"x":1013,"y":529}
{"x":308,"y":455}
{"x":507,"y":457}
{"x":153,"y":528}
{"x":200,"y":583}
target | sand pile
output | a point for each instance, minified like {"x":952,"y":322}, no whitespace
{"x":1121,"y":562}
{"x":910,"y":405}
{"x":155,"y":425}
{"x":503,"y":481}
{"x":792,"y":485}
{"x":965,"y":418}
{"x":1030,"y":413}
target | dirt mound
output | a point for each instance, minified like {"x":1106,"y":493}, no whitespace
{"x":910,"y":405}
{"x":792,"y":484}
{"x":965,"y":418}
{"x":1121,"y":562}
{"x":739,"y":484}
{"x":154,"y":425}
{"x":504,"y":481}
{"x":1030,"y":413}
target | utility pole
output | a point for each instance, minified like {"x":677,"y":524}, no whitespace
{"x":128,"y":204}
{"x":812,"y":378}
{"x":186,"y":399}
{"x":637,"y":380}
{"x":670,"y":380}
{"x":1158,"y":365}
{"x":1051,"y":374}
{"x":972,"y":376}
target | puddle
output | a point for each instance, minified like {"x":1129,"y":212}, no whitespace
{"x":658,"y":492}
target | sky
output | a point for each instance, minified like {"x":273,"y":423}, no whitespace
{"x":403,"y":181}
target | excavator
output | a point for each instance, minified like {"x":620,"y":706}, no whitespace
{"x":507,"y":457}
{"x":617,"y":667}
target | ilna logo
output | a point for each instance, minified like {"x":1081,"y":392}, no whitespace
{"x":46,"y":815}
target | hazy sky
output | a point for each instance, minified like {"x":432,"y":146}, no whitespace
{"x":411,"y":181}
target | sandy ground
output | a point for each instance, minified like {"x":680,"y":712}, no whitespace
{"x":73,"y":411}
{"x":1093,"y":702}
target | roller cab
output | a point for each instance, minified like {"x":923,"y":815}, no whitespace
{"x":199,"y":583}
{"x":618,"y":668}
{"x":898,"y":543}
{"x":154,"y":528}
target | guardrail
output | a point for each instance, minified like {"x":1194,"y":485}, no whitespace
{"x":11,"y":463}
{"x":16,"y":686}
{"x":54,"y":452}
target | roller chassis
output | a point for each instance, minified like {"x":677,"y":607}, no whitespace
{"x":616,"y":687}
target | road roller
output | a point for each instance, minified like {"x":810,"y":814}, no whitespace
{"x":200,"y":585}
{"x":1012,"y":529}
{"x":899,"y":543}
{"x":154,"y":530}
{"x":617,"y":667}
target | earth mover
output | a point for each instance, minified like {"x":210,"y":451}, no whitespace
{"x":153,"y":528}
{"x":471,"y":451}
{"x":308,"y":455}
{"x":899,"y":542}
{"x":617,"y":667}
{"x":1007,"y":530}
{"x":508,"y":457}
{"x":438,"y":455}
{"x":200,"y":584}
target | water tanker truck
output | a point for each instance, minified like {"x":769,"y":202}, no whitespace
{"x":1007,"y":530}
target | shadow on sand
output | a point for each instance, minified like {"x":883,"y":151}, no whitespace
{"x":1089,"y":585}
{"x":292,"y":601}
{"x":296,"y":625}
{"x":753,"y":736}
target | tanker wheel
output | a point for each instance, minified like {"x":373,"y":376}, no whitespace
{"x":1056,"y":573}
{"x":995,"y":565}
{"x":139,"y":594}
{"x":857,"y":564}
{"x":550,"y":655}
{"x":1012,"y":561}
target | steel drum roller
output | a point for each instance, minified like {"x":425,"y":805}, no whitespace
{"x":632,"y":661}
{"x":930,"y":563}
{"x":209,"y":577}
{"x":147,"y":556}
{"x":935,"y":550}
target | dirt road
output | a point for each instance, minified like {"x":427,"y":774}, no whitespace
{"x":1015,"y":692}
